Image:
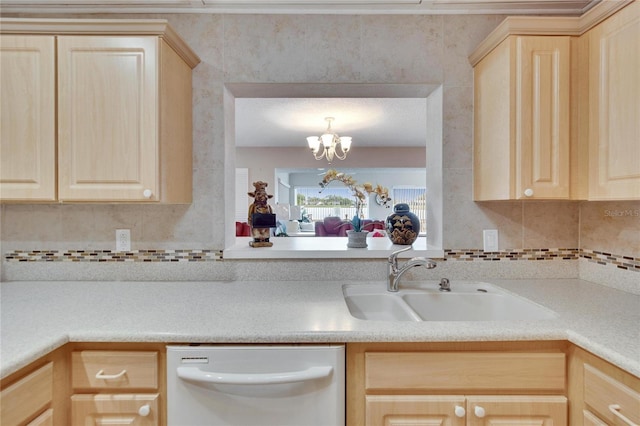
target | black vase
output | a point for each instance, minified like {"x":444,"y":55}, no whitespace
{"x":403,"y":226}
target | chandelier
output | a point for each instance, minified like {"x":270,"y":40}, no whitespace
{"x":329,"y":144}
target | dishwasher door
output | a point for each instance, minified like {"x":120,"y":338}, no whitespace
{"x":261,"y":385}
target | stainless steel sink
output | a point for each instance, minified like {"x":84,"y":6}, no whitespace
{"x":467,"y":301}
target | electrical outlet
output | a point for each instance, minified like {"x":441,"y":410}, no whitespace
{"x":123,"y":240}
{"x":490,"y":239}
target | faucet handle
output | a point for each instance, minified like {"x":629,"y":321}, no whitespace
{"x":445,"y":285}
{"x":393,"y":256}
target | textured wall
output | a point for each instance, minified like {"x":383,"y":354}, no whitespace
{"x":332,"y":49}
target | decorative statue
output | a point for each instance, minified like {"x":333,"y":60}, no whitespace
{"x":260,"y":217}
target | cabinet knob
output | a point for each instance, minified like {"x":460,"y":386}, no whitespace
{"x":144,"y":410}
{"x":479,"y":411}
{"x":460,"y":411}
{"x":147,"y":193}
{"x":528,"y":192}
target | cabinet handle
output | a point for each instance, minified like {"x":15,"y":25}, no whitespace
{"x":144,"y":410}
{"x":460,"y":411}
{"x":479,"y":411}
{"x":615,"y":409}
{"x":100,"y":375}
{"x":147,"y":193}
{"x":528,"y":192}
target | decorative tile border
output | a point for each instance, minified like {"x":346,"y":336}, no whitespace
{"x":515,"y":254}
{"x":622,"y":262}
{"x":471,"y":255}
{"x":113,"y":256}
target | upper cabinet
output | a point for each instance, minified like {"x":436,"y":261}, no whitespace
{"x":557,"y":107}
{"x":614,"y":107}
{"x":521,"y":118}
{"x":27,"y":118}
{"x":120,"y":129}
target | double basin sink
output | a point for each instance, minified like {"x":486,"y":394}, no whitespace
{"x":467,"y":301}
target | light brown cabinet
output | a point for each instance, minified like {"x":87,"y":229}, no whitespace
{"x":28,"y":401}
{"x":557,"y":107}
{"x":27,"y":118}
{"x":601,"y":394}
{"x":123,"y":130}
{"x":472,"y":386}
{"x":121,"y":386}
{"x":521,"y":120}
{"x":425,"y":410}
{"x":614,"y":107}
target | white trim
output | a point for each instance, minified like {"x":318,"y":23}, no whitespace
{"x":503,"y":7}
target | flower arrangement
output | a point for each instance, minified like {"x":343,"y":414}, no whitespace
{"x":360,"y":193}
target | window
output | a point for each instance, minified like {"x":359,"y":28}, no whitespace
{"x":416,"y":198}
{"x":330,"y":202}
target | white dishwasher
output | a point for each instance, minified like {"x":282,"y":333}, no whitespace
{"x":256,"y":385}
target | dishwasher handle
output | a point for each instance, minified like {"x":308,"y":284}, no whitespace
{"x":194,"y":374}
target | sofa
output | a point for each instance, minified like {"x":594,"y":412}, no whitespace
{"x":333,"y":226}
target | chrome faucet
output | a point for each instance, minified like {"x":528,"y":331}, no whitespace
{"x":394,"y":272}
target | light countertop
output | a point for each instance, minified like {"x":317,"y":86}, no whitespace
{"x":38,"y":317}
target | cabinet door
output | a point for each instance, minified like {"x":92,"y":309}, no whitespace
{"x":516,"y":410}
{"x":542,"y":126}
{"x":416,"y":410}
{"x":118,"y":409}
{"x":27,"y":122}
{"x":27,"y":397}
{"x":521,"y":120}
{"x":614,"y":107}
{"x":107,"y":115}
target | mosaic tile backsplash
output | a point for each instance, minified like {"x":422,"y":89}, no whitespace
{"x":602,"y":258}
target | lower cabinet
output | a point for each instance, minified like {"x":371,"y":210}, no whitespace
{"x":472,"y":384}
{"x":28,"y":401}
{"x":601,"y":394}
{"x":428,"y":410}
{"x":115,"y":387}
{"x":116,"y":409}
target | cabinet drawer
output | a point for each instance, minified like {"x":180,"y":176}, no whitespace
{"x":114,"y":370}
{"x":27,"y":397}
{"x":44,"y":419}
{"x":466,"y":371}
{"x":606,"y":397}
{"x":590,"y":419}
{"x":116,"y":409}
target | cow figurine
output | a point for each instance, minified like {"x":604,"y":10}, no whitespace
{"x":259,"y":209}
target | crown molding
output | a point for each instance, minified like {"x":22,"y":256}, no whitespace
{"x":546,"y":26}
{"x":131,"y":27}
{"x":506,"y":7}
